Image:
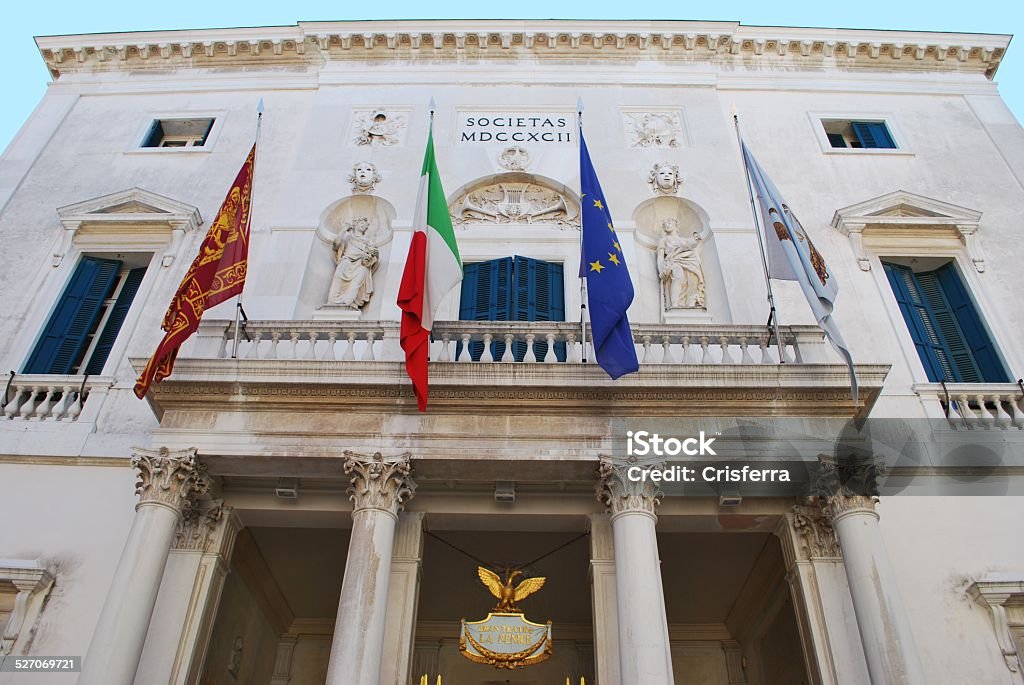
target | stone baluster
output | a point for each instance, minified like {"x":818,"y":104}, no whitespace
{"x":487,"y":355}
{"x":43,"y":410}
{"x":507,"y":355}
{"x":745,"y":357}
{"x":311,"y":352}
{"x":275,"y":340}
{"x":76,"y":407}
{"x":350,"y":348}
{"x":550,"y":357}
{"x":30,"y":403}
{"x":168,"y":482}
{"x":705,"y":357}
{"x":11,"y":408}
{"x":464,"y":355}
{"x":644,"y":650}
{"x":293,"y":350}
{"x":572,"y":352}
{"x":963,"y":407}
{"x":63,"y":403}
{"x":254,"y":346}
{"x":379,"y":487}
{"x":368,"y":350}
{"x":332,"y":340}
{"x":766,"y":356}
{"x":723,"y":341}
{"x":666,"y":350}
{"x":687,"y":358}
{"x":445,"y":355}
{"x":530,"y":356}
{"x":647,"y":358}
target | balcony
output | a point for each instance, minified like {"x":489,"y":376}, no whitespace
{"x":975,"y":406}
{"x":519,"y":367}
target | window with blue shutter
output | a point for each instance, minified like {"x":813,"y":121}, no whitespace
{"x":944,"y":324}
{"x":513,"y":289}
{"x":84,"y":325}
{"x":872,"y":134}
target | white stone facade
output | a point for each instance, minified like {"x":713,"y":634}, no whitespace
{"x":221,"y":578}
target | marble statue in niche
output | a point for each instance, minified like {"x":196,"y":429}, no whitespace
{"x":664,"y":179}
{"x":364,"y":177}
{"x":357,"y":258}
{"x":679,"y":267}
{"x":378,"y":128}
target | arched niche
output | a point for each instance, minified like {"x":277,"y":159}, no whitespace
{"x":321,"y":265}
{"x":649,"y":218}
{"x":515,"y":198}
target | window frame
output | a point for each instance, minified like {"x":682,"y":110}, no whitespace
{"x":818,"y":119}
{"x":137,"y":141}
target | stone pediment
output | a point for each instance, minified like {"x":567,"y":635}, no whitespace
{"x":902,"y":213}
{"x":131,"y":212}
{"x":134,"y":203}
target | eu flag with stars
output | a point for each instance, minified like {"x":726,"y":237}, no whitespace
{"x":609,"y":288}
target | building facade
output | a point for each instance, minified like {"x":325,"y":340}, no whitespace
{"x":277,"y":511}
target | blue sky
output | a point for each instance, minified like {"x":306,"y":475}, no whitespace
{"x":25,"y":76}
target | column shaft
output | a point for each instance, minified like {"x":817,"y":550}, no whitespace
{"x":881,"y":619}
{"x":167,"y":482}
{"x":379,"y":486}
{"x":645,"y":655}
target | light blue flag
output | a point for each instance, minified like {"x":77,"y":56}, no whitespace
{"x":793,"y":257}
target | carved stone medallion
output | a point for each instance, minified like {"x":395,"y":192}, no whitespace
{"x":653,"y":129}
{"x":378,"y":127}
{"x":514,"y":158}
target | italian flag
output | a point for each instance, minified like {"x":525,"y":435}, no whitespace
{"x":432,"y":268}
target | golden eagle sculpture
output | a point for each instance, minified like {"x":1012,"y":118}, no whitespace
{"x":508,"y":596}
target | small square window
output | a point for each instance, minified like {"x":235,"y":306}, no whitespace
{"x":844,"y":133}
{"x":178,"y":133}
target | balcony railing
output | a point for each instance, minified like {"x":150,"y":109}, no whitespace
{"x":977,"y":405}
{"x":53,"y":399}
{"x":514,"y":342}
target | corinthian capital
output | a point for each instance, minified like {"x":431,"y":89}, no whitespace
{"x":621,"y":495}
{"x":379,"y":482}
{"x":848,"y":485}
{"x":169,"y":478}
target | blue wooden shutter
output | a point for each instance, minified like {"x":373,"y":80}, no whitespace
{"x":872,"y":134}
{"x":539,"y":296}
{"x":931,"y":347}
{"x":982,"y":352}
{"x":64,"y":338}
{"x":836,"y":139}
{"x":486,"y":296}
{"x":114,"y":322}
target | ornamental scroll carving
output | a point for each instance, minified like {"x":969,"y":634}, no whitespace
{"x":171,"y":478}
{"x":653,"y":129}
{"x":515,"y":203}
{"x":197,"y":528}
{"x":620,"y":495}
{"x":813,"y":530}
{"x":379,"y":482}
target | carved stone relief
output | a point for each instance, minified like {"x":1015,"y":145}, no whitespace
{"x":620,"y":494}
{"x":172,"y":478}
{"x":379,"y":482}
{"x":514,"y":158}
{"x":515,"y":202}
{"x":664,"y":179}
{"x":378,"y":127}
{"x":364,"y":177}
{"x":653,"y":129}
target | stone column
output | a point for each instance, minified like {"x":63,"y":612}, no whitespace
{"x":379,"y":487}
{"x":881,"y":619}
{"x":403,"y":599}
{"x":645,"y":656}
{"x":168,"y":481}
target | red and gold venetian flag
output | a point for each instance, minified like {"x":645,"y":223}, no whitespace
{"x":216,"y":274}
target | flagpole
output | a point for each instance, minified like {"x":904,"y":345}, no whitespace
{"x":773,"y":319}
{"x":238,"y":300}
{"x":583,"y":279}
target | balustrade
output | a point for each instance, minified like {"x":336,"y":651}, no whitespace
{"x":48,"y":398}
